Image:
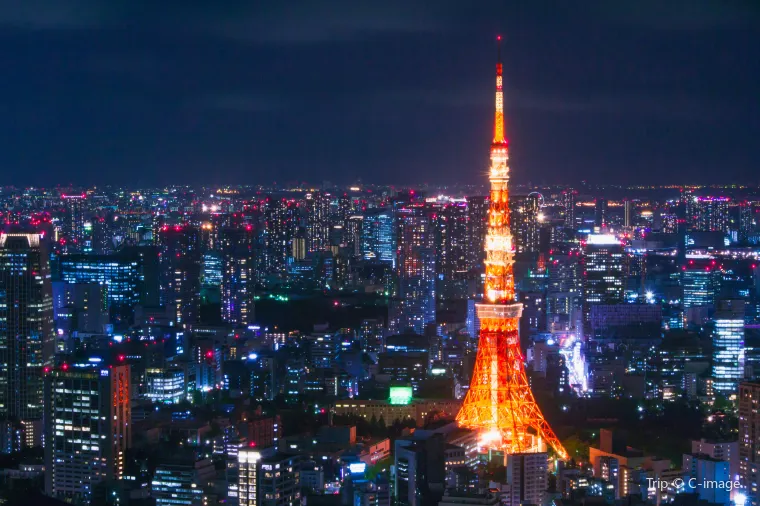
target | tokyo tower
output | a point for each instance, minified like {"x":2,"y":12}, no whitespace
{"x":499,"y":404}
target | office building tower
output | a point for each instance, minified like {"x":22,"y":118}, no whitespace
{"x":699,"y":469}
{"x":180,"y":260}
{"x":477,"y":227}
{"x":746,"y":222}
{"x":728,"y":346}
{"x":74,"y":224}
{"x":415,"y":271}
{"x":601,"y":213}
{"x":603,"y":266}
{"x":164,"y":385}
{"x":212,"y":269}
{"x":700,"y":279}
{"x":372,"y":336}
{"x":568,"y":203}
{"x":451,"y":248}
{"x":627,"y":212}
{"x":352,"y":235}
{"x":88,"y":428}
{"x":379,"y":236}
{"x":749,"y":440}
{"x":563,"y":296}
{"x":119,"y":274}
{"x":239,"y":275}
{"x":182,"y":479}
{"x":280,"y":227}
{"x":527,"y":478}
{"x":81,"y":307}
{"x":26,"y":324}
{"x":317,"y":221}
{"x":279,"y":480}
{"x":710,"y":214}
{"x":248,"y":490}
{"x":525,"y":219}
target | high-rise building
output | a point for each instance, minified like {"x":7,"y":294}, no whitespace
{"x":700,"y":280}
{"x":88,"y":428}
{"x":568,"y":202}
{"x":746,"y":222}
{"x":180,"y":259}
{"x":279,"y":481}
{"x":603,"y":264}
{"x":26,"y":324}
{"x":601,"y":213}
{"x":415,"y":270}
{"x":165,"y":385}
{"x":248,"y":491}
{"x":728,"y":346}
{"x":182,"y":480}
{"x":749,"y":441}
{"x":280,"y":227}
{"x":75,"y":220}
{"x":451,"y":248}
{"x":119,"y":274}
{"x":527,"y":478}
{"x":526,"y":221}
{"x":563,"y":297}
{"x":352,"y":235}
{"x":378,"y":236}
{"x":710,"y":214}
{"x":317,"y":221}
{"x":371,"y":336}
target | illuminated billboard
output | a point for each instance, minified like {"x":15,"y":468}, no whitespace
{"x":401,"y":395}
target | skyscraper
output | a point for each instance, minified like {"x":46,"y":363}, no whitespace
{"x":711,"y":214}
{"x":700,"y":281}
{"x":239,"y":275}
{"x":499,"y":404}
{"x":568,"y":202}
{"x":415,"y":270}
{"x":451,"y":249}
{"x":280,"y":227}
{"x":525,"y":219}
{"x":601,"y":217}
{"x":603,"y":264}
{"x":728,"y":346}
{"x":477,"y":227}
{"x":378,"y":236}
{"x":749,"y":440}
{"x":180,"y":262}
{"x":26,"y":324}
{"x":88,"y":428}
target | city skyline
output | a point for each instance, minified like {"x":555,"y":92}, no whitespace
{"x":633,"y":93}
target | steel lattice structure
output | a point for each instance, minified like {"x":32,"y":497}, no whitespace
{"x":499,"y":403}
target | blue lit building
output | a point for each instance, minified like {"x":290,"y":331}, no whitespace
{"x":700,"y":279}
{"x":728,"y":346}
{"x":121,"y":275}
{"x":377,"y":236}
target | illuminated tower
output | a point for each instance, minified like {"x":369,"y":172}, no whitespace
{"x":499,"y":403}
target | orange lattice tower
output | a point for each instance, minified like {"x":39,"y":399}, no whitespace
{"x":500,"y":404}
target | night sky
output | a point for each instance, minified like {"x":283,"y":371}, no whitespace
{"x":392,"y":91}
